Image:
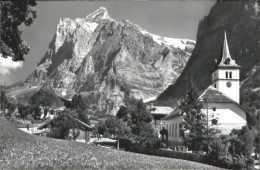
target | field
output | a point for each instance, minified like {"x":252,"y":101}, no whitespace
{"x":21,"y":150}
{"x":21,"y":95}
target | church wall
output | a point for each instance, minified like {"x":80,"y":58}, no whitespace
{"x":229,"y":116}
{"x":222,"y":73}
{"x":232,"y":92}
{"x":173,"y":126}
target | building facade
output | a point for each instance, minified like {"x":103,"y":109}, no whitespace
{"x":220,"y":101}
{"x":158,"y":113}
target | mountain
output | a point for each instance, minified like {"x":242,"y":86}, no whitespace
{"x":241,"y":20}
{"x":106,"y":59}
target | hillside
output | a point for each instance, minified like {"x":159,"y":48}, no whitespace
{"x":21,"y":150}
{"x":105,"y":59}
{"x":240,"y":19}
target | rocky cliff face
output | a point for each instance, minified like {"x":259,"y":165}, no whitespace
{"x":241,"y":22}
{"x":106,"y":59}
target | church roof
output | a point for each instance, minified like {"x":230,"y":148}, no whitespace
{"x":211,"y":94}
{"x":226,"y":60}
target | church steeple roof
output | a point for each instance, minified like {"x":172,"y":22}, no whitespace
{"x":226,"y":60}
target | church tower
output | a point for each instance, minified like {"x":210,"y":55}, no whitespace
{"x":226,"y":77}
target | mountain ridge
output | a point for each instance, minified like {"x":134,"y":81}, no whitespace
{"x":106,"y":59}
{"x":241,"y":22}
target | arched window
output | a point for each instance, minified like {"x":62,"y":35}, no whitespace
{"x":230,"y":74}
{"x":215,"y":85}
{"x":227,"y":62}
{"x":226,"y":74}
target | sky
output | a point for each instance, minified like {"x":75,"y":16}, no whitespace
{"x":174,"y":19}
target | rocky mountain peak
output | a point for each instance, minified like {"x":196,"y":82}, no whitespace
{"x":99,"y":14}
{"x":106,"y":59}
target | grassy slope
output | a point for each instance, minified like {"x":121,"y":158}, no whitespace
{"x":21,"y":150}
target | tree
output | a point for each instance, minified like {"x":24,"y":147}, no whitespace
{"x":78,"y":102}
{"x":138,"y":119}
{"x":23,"y":110}
{"x":13,"y":13}
{"x":46,"y":98}
{"x":84,"y":117}
{"x":122,"y":112}
{"x":194,"y":121}
{"x":137,"y":110}
{"x":100,"y":128}
{"x":62,"y":125}
{"x":117,"y":128}
{"x":3,"y":100}
{"x":242,"y":142}
{"x":36,"y":112}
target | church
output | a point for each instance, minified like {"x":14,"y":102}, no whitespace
{"x":220,"y":101}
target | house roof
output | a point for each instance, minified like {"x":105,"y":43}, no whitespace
{"x":161,"y":110}
{"x":45,"y":125}
{"x":175,"y":113}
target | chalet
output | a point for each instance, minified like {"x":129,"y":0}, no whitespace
{"x":220,"y":101}
{"x":158,"y":113}
{"x":50,"y":125}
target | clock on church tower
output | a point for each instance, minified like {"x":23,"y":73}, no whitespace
{"x":229,"y":84}
{"x":226,"y":77}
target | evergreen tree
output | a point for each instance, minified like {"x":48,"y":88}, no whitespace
{"x":13,"y":13}
{"x":195,"y":122}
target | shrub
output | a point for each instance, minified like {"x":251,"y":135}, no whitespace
{"x":75,"y":134}
{"x":30,"y":118}
{"x":221,"y":162}
{"x":250,"y":163}
{"x":217,"y":149}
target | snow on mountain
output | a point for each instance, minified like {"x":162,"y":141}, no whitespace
{"x":176,"y":43}
{"x":106,"y":59}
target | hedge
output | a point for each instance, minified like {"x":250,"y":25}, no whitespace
{"x":186,"y":156}
{"x":136,"y":148}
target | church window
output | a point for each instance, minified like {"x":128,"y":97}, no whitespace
{"x":172,"y":129}
{"x":180,"y":129}
{"x":176,"y":128}
{"x":214,"y":121}
{"x":215,"y":85}
{"x":226,"y":74}
{"x":227,"y":62}
{"x":230,"y":74}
